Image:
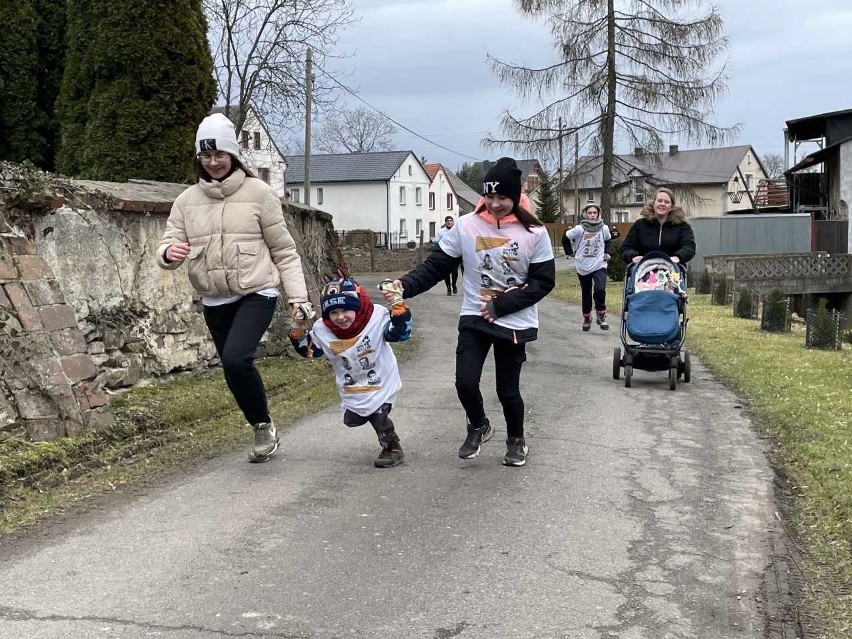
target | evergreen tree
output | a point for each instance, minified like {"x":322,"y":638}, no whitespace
{"x":547,"y":200}
{"x":50,"y":39}
{"x":20,"y":140}
{"x":472,"y":175}
{"x":138,"y":80}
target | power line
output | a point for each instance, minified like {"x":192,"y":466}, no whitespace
{"x":387,"y":117}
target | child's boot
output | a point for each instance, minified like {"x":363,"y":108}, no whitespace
{"x":391,"y":454}
{"x":602,"y":321}
{"x":587,"y":321}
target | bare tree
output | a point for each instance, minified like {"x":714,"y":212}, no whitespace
{"x":358,"y":130}
{"x":774,"y":164}
{"x":629,"y":72}
{"x":259,"y":50}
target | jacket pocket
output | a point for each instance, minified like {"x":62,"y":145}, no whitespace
{"x":253,"y":264}
{"x":198,"y":276}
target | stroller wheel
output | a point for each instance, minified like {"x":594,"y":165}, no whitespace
{"x":616,"y":362}
{"x":673,"y":376}
{"x":628,"y":375}
{"x":687,"y":367}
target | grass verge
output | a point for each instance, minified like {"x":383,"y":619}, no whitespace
{"x":802,"y":400}
{"x":159,"y":429}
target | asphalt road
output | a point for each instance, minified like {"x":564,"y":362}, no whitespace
{"x":642,"y":513}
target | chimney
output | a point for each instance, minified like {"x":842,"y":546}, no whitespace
{"x":672,"y":149}
{"x":638,"y":151}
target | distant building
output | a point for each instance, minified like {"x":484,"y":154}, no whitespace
{"x":707,"y":182}
{"x":258,"y":150}
{"x":386,"y":192}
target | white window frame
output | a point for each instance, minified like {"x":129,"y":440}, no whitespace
{"x":403,"y":229}
{"x":622,"y":217}
{"x":590,"y":196}
{"x":418,"y":227}
{"x":410,"y":170}
{"x":402,"y":196}
{"x":257,"y":146}
{"x":294,"y":195}
{"x":264,"y":174}
{"x":418,"y":196}
{"x":749,"y":180}
{"x":449,"y":201}
{"x":432,"y":229}
{"x":320,"y":194}
{"x":637,"y":185}
{"x":431,"y":201}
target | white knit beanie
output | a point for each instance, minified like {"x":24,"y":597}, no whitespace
{"x":216,"y":133}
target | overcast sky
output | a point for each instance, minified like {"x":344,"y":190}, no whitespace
{"x":423,"y":62}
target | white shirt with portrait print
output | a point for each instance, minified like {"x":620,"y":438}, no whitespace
{"x":495,"y":258}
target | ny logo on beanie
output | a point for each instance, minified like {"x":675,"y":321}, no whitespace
{"x":489,"y":187}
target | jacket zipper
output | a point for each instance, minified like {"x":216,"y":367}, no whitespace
{"x":660,"y":239}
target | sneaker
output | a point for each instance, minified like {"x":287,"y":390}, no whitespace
{"x":455,"y":291}
{"x":265,"y":442}
{"x":474,"y":440}
{"x":602,"y":321}
{"x":587,"y":322}
{"x":390,"y":457}
{"x":516,"y":452}
{"x":449,"y":292}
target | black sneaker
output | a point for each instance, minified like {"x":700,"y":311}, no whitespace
{"x":516,"y":452}
{"x":390,"y":457}
{"x":449,"y":292}
{"x":474,"y":440}
{"x":455,"y":291}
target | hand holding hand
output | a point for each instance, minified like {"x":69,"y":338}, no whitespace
{"x":392,"y":291}
{"x":484,"y":308}
{"x":301,"y":312}
{"x":177,"y":252}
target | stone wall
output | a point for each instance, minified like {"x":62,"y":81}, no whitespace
{"x":85,"y":286}
{"x":360,"y":260}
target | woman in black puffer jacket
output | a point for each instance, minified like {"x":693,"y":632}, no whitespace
{"x":661,"y":227}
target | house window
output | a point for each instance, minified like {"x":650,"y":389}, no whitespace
{"x":418,"y":196}
{"x":244,"y":139}
{"x":638,"y":190}
{"x":402,"y":195}
{"x":263,"y":174}
{"x":294,"y":195}
{"x":449,"y":201}
{"x":319,"y":195}
{"x":590,"y":196}
{"x":622,"y":217}
{"x":749,"y":177}
{"x":403,"y":231}
{"x":532,"y":182}
{"x":418,"y":227}
{"x":257,"y":140}
{"x":431,"y":201}
{"x":431,"y":230}
{"x":410,"y":170}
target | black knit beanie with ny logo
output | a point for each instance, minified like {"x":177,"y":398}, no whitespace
{"x":504,"y":178}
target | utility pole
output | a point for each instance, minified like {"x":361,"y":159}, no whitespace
{"x":576,"y":185}
{"x":561,"y":168}
{"x":309,"y":88}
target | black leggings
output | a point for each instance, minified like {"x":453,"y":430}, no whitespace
{"x":236,"y":329}
{"x":471,"y":351}
{"x":598,"y":281}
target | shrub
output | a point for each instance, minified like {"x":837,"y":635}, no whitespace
{"x":704,"y":282}
{"x":720,"y":291}
{"x":824,"y":327}
{"x":411,"y":244}
{"x":744,"y":307}
{"x":616,"y":267}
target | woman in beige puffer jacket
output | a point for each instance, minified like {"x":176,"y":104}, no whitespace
{"x":231,"y":229}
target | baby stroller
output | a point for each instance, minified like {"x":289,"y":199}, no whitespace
{"x":653,"y":320}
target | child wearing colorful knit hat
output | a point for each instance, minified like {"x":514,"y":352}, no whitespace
{"x":354,"y":335}
{"x":591,"y":241}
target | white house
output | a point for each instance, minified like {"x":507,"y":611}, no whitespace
{"x":258,"y":150}
{"x":443,"y":199}
{"x":385,"y":191}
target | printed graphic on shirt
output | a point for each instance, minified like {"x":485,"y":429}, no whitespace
{"x":591,"y":245}
{"x":496,"y":257}
{"x":339,"y":346}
